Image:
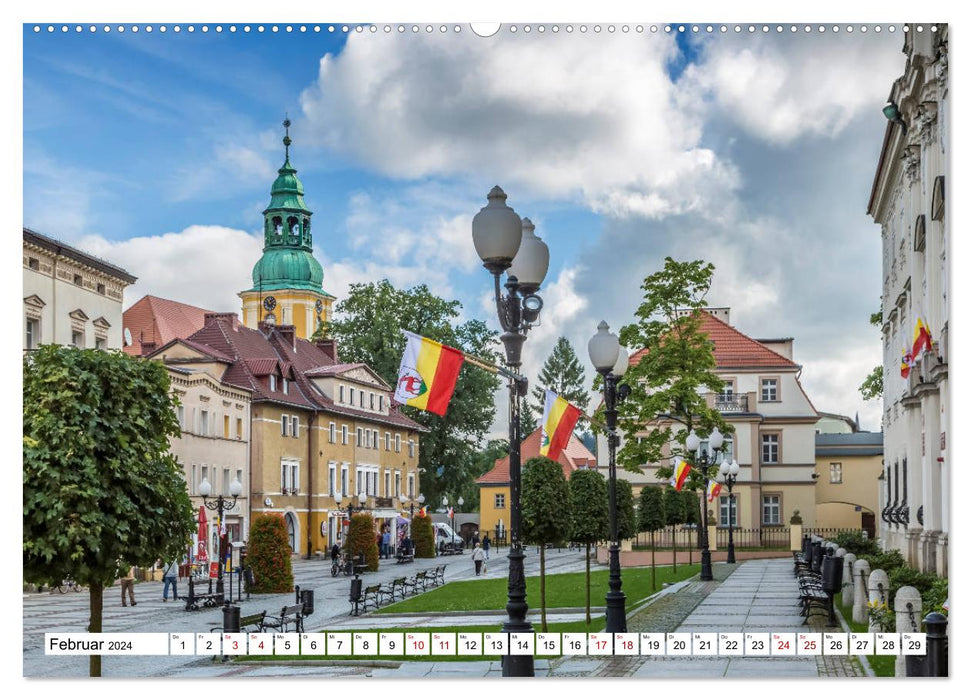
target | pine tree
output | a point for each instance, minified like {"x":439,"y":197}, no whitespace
{"x":527,"y":420}
{"x":563,"y":374}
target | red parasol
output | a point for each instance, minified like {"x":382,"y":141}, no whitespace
{"x":201,"y":555}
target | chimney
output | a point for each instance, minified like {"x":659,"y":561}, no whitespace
{"x":329,"y":347}
{"x":148,"y":348}
{"x":289,"y":334}
{"x":229,"y":316}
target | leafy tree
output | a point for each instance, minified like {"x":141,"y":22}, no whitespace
{"x":674,"y":516}
{"x":651,"y":518}
{"x":368,"y":329}
{"x":589,"y":523}
{"x":676,"y":364}
{"x":268,"y":552}
{"x":692,"y":515}
{"x":562,"y":373}
{"x":626,"y":516}
{"x":423,"y":534}
{"x":361,"y":539}
{"x":101,"y":490}
{"x":872,"y":386}
{"x":545,"y":511}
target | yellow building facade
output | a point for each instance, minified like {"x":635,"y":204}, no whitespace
{"x":849,"y":468}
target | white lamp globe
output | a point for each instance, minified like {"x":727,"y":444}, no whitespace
{"x":235,"y":488}
{"x":716,"y":439}
{"x":205,"y":488}
{"x":532,"y":262}
{"x":723,"y":470}
{"x":734,"y":468}
{"x":603,"y":348}
{"x":623,"y":361}
{"x":338,"y":497}
{"x":497,"y":232}
{"x":692,"y":442}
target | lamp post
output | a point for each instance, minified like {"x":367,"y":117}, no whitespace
{"x":729,"y":475}
{"x":610,"y":360}
{"x":506,"y":243}
{"x":705,"y":460}
{"x":220,"y":504}
{"x":461,"y":502}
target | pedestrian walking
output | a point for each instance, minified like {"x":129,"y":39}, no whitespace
{"x":170,"y":576}
{"x":477,"y":558}
{"x":128,"y":584}
{"x":386,"y":544}
{"x":485,"y":544}
{"x":475,"y":538}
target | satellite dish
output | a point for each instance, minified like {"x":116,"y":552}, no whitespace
{"x":127,"y":337}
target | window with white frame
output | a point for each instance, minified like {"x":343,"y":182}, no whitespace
{"x":332,"y":432}
{"x":397,"y":484}
{"x":341,"y":393}
{"x":371,"y":400}
{"x":387,"y":483}
{"x":387,"y":442}
{"x":727,"y":394}
{"x":331,"y":478}
{"x":836,"y":472}
{"x":272,"y":382}
{"x":770,"y":390}
{"x":771,"y":510}
{"x":411,"y":448}
{"x":728,"y":449}
{"x":352,"y":396}
{"x":295,"y":426}
{"x":723,"y":511}
{"x":381,"y":402}
{"x":181,"y":412}
{"x":343,"y":434}
{"x":770,"y":448}
{"x":204,"y":474}
{"x":360,"y":437}
{"x":203,"y":422}
{"x":344,"y":490}
{"x":194,"y":484}
{"x":397,"y":442}
{"x":32,"y":326}
{"x":362,"y":397}
{"x":500,"y":501}
{"x":289,"y":476}
{"x":225,"y":481}
{"x":284,"y":424}
{"x":411,"y":486}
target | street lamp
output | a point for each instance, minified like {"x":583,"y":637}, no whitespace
{"x":610,"y":360}
{"x":729,"y":475}
{"x":705,"y":460}
{"x":220,"y":504}
{"x":506,"y":243}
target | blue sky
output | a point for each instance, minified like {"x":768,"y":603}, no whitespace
{"x":755,"y":151}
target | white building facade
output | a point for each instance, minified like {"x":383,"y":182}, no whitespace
{"x":70,"y":297}
{"x":908,"y":201}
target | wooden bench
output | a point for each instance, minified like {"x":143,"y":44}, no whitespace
{"x":207,"y":600}
{"x":390,"y":592}
{"x":289,"y":615}
{"x":371,"y":598}
{"x":248,"y":623}
{"x":404,"y":557}
{"x":420,"y":579}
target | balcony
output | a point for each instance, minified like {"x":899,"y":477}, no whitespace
{"x":730,"y":403}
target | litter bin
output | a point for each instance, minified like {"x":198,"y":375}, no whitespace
{"x":307,"y":598}
{"x":230,"y":619}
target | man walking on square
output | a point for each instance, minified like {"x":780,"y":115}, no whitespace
{"x":485,"y":544}
{"x":477,"y":556}
{"x":128,"y":584}
{"x":170,"y":575}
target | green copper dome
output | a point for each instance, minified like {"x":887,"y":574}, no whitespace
{"x":288,"y":261}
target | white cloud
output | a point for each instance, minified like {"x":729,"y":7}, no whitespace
{"x":595,"y":119}
{"x":202,"y":265}
{"x":779,"y":88}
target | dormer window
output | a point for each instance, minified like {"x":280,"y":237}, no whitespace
{"x":286,"y":386}
{"x":342,"y":393}
{"x":272,"y":382}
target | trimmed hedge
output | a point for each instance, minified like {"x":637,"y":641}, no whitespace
{"x":424,"y":536}
{"x":361,"y":539}
{"x":268,"y":553}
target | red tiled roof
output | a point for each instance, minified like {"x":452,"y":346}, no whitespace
{"x":575,"y":456}
{"x":159,"y":321}
{"x":733,"y":348}
{"x":199,"y":347}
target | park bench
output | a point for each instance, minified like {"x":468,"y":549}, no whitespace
{"x":248,"y":623}
{"x":420,"y":579}
{"x":371,"y":598}
{"x":289,"y":615}
{"x":405,"y":557}
{"x":438,"y":575}
{"x":390,"y":591}
{"x":194,"y":600}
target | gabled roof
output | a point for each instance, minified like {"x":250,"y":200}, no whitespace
{"x":204,"y":350}
{"x":574,"y":456}
{"x":157,"y":320}
{"x":733,"y":349}
{"x":338,"y":370}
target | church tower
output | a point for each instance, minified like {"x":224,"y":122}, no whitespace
{"x":287,"y":280}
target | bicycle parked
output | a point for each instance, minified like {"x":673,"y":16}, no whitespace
{"x":68,"y":584}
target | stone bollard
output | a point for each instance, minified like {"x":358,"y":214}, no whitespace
{"x":906,"y":608}
{"x":861,"y":569}
{"x":848,"y":561}
{"x":878,"y":586}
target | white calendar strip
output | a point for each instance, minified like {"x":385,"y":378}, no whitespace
{"x":471,"y":644}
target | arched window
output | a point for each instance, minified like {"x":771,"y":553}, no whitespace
{"x":277,"y":225}
{"x":292,"y":531}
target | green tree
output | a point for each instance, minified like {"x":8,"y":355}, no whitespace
{"x":101,"y":490}
{"x":674,"y":516}
{"x":589,"y":523}
{"x":368,"y":328}
{"x":527,"y":420}
{"x":692,"y":516}
{"x":361,"y":540}
{"x":676,"y":365}
{"x":651,"y":517}
{"x":563,"y":374}
{"x":545,"y":511}
{"x":872,"y":386}
{"x":423,"y":534}
{"x":268,"y":552}
{"x":626,"y":515}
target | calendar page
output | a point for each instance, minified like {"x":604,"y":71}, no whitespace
{"x":370,"y":345}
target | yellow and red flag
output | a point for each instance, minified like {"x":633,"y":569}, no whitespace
{"x":714,"y":488}
{"x":681,"y":470}
{"x":427,"y":376}
{"x":922,"y":338}
{"x":906,"y":362}
{"x":559,"y":419}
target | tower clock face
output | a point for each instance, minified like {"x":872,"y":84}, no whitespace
{"x":269,"y":303}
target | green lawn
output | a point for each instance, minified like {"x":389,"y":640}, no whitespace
{"x":882,"y":665}
{"x":562,"y":591}
{"x":596,"y":625}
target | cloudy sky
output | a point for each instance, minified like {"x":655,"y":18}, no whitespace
{"x":755,"y":151}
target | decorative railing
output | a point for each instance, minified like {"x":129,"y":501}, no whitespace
{"x":728,"y":403}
